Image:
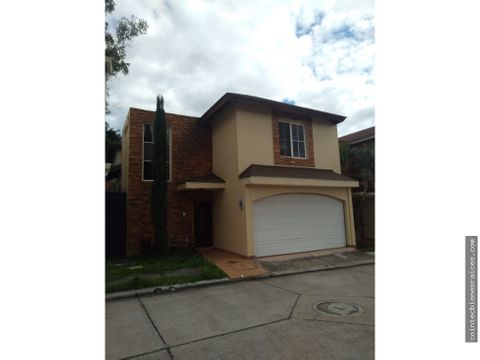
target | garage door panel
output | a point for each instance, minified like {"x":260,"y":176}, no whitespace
{"x":292,"y":223}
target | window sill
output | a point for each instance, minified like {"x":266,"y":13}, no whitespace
{"x":146,"y":180}
{"x":293,"y":157}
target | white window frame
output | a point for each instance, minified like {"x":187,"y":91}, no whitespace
{"x":169,"y":131}
{"x":290,"y":122}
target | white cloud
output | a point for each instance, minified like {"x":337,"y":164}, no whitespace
{"x":196,"y":51}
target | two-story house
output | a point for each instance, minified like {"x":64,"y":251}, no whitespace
{"x":252,"y":176}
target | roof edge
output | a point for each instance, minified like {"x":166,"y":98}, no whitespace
{"x":360,"y":135}
{"x":292,"y":172}
{"x":166,"y":113}
{"x":278,"y":105}
{"x":211,"y":178}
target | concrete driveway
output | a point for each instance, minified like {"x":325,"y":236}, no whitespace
{"x":316,"y":315}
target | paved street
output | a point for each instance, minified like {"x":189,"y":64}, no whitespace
{"x":316,"y":315}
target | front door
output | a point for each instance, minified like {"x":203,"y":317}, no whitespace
{"x":203,"y":223}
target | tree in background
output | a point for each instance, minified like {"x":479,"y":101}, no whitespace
{"x":160,"y":178}
{"x":358,"y":162}
{"x":112,"y":135}
{"x":118,"y":38}
{"x":116,"y":43}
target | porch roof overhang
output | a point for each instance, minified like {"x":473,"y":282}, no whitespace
{"x":209,"y":182}
{"x":294,"y":176}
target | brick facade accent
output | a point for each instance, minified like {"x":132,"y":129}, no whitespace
{"x":286,"y":160}
{"x":191,"y":157}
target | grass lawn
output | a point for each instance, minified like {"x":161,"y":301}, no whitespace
{"x":175,"y":268}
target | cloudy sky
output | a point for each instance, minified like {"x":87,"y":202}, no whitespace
{"x":318,"y":54}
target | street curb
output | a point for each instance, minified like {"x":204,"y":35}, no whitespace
{"x":158,"y":290}
{"x":319,"y":268}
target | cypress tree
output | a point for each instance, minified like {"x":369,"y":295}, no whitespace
{"x":160,"y":178}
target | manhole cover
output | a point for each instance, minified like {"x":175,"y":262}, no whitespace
{"x":337,"y":308}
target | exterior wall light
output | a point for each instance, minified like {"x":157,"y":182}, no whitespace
{"x":240,"y":203}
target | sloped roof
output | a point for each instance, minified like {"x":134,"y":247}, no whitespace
{"x":359,"y":135}
{"x":277,"y":105}
{"x":292,"y":172}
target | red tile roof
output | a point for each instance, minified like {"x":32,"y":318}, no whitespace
{"x":359,"y":135}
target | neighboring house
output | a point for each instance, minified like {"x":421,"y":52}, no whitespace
{"x":363,"y":203}
{"x":360,"y":137}
{"x":252,"y":176}
{"x":113,"y":167}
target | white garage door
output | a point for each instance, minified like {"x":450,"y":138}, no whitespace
{"x":293,"y":223}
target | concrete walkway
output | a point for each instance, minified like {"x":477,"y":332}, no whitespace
{"x":318,"y":260}
{"x":235,"y":266}
{"x":314,"y":315}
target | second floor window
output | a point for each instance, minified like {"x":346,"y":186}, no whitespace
{"x":148,"y":151}
{"x":292,"y":139}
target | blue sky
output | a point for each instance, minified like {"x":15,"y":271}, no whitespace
{"x":318,"y":54}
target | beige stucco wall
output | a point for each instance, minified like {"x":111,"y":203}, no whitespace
{"x":325,"y":143}
{"x":254,"y":136}
{"x":255,"y":139}
{"x":125,"y":152}
{"x":254,"y":193}
{"x":229,"y":232}
{"x":242,"y":135}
